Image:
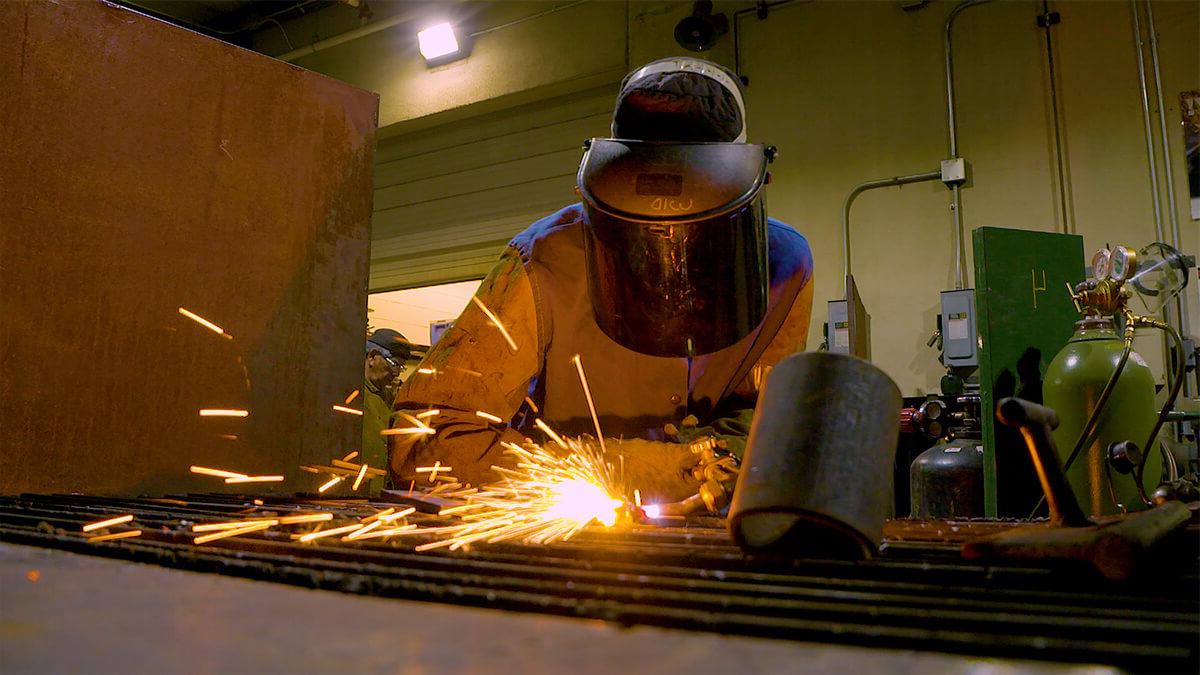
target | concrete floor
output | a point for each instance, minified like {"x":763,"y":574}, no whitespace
{"x":67,"y":613}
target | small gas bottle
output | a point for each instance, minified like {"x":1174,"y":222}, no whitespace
{"x":1073,"y":383}
{"x":946,"y":481}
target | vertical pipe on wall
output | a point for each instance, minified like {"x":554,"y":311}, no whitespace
{"x":1150,"y":159}
{"x":952,"y":123}
{"x":1177,"y":310}
{"x":1067,"y":226}
{"x":1164,"y":139}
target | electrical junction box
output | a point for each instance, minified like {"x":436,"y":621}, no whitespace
{"x":848,"y":330}
{"x":954,"y":170}
{"x":837,"y":329}
{"x":959,"y":337}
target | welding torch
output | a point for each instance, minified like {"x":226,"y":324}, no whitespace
{"x":717,"y":468}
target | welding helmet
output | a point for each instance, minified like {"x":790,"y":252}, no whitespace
{"x":681,"y":98}
{"x":675,"y":242}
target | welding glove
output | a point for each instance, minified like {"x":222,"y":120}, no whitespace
{"x":661,"y":472}
{"x":731,"y":429}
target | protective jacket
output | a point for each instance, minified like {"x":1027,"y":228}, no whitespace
{"x":538,"y":291}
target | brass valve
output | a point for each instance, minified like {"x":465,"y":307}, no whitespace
{"x":1105,"y":297}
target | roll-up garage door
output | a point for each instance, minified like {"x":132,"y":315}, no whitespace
{"x":448,"y":199}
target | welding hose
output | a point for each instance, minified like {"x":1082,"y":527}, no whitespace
{"x":1167,"y":406}
{"x":1089,"y":429}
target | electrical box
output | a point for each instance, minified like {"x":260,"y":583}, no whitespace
{"x":959,"y":337}
{"x":837,"y":329}
{"x":1025,"y":316}
{"x":848,"y":330}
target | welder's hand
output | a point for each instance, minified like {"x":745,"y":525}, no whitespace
{"x":662,"y":472}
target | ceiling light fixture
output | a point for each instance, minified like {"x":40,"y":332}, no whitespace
{"x":437,"y":42}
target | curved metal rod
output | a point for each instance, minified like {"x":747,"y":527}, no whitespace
{"x":952,"y":124}
{"x":871,"y":185}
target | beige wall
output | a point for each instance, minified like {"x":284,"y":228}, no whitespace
{"x":852,"y":91}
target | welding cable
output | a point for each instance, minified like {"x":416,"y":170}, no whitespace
{"x":1089,"y":429}
{"x":1167,"y":406}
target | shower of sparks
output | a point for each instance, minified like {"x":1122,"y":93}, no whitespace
{"x":495,"y":322}
{"x":308,"y":518}
{"x":255,"y":479}
{"x":353,"y":395}
{"x":219,"y":473}
{"x":105,"y":523}
{"x":587,"y":393}
{"x":350,"y":411}
{"x":427,"y":371}
{"x":548,"y":497}
{"x":233,"y":525}
{"x":391,"y":531}
{"x":379,"y":516}
{"x":206,"y":323}
{"x":116,"y":535}
{"x":362,"y":530}
{"x":550,"y":432}
{"x":434,"y":470}
{"x":395,"y":516}
{"x":428,"y":413}
{"x":358,"y":481}
{"x":223,"y":412}
{"x":232,"y":532}
{"x":489,"y":417}
{"x":319,"y":534}
{"x":418,"y":423}
{"x":332,"y":481}
{"x":401,"y":431}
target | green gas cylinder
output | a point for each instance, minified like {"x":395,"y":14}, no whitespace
{"x":1073,"y":383}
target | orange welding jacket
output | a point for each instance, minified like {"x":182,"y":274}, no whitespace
{"x":539,"y":292}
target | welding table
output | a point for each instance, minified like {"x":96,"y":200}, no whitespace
{"x":918,"y":608}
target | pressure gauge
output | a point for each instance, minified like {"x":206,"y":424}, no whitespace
{"x":1101,"y":264}
{"x":1121,"y":264}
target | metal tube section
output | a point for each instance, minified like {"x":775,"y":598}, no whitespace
{"x":1168,"y":173}
{"x":956,"y":213}
{"x":1141,"y":65}
{"x":955,"y":192}
{"x":1058,"y":149}
{"x":871,"y":185}
{"x":1177,"y":314}
{"x":958,"y":9}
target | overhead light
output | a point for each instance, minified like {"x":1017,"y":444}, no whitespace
{"x":437,"y":41}
{"x":700,"y":31}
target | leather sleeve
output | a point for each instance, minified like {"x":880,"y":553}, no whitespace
{"x":473,"y":368}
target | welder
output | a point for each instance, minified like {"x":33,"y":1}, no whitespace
{"x":668,"y":281}
{"x":386,"y":352}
